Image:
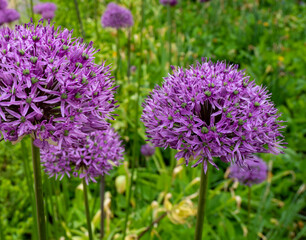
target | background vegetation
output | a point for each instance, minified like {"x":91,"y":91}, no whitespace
{"x":267,"y":38}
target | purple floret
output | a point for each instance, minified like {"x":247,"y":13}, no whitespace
{"x":147,"y":150}
{"x":255,"y":171}
{"x":3,"y":5}
{"x":90,"y":156}
{"x":116,"y":16}
{"x":212,"y":110}
{"x":50,"y":84}
{"x":168,"y":2}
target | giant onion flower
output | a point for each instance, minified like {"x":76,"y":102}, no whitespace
{"x":50,"y":83}
{"x":168,"y":2}
{"x":3,"y":4}
{"x":116,"y":16}
{"x":212,"y":110}
{"x":46,"y":9}
{"x":255,"y":171}
{"x":90,"y":156}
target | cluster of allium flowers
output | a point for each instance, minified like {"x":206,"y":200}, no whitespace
{"x":212,"y":110}
{"x":7,"y":15}
{"x":168,"y":2}
{"x":50,"y":83}
{"x":254,"y":171}
{"x":92,"y":155}
{"x":47,"y":10}
{"x":116,"y":16}
{"x":147,"y":150}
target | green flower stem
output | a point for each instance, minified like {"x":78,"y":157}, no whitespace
{"x":135,"y":156}
{"x":87,"y":210}
{"x":129,"y":54}
{"x":79,"y":18}
{"x":169,"y":31}
{"x":38,"y":193}
{"x":102,"y":193}
{"x":249,"y":203}
{"x":32,"y":10}
{"x":96,"y":18}
{"x":29,"y":181}
{"x":118,"y":53}
{"x":201,"y":204}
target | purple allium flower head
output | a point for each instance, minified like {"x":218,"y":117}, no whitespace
{"x":133,"y":68}
{"x":255,"y":171}
{"x":50,"y":84}
{"x":2,"y":17}
{"x":3,"y":4}
{"x":168,"y":2}
{"x":48,"y":15}
{"x":116,"y":16}
{"x":212,"y":110}
{"x":147,"y":150}
{"x":92,"y":156}
{"x":11,"y":15}
{"x":205,"y":0}
{"x":43,"y":7}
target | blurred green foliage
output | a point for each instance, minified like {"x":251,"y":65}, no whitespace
{"x":268,"y":40}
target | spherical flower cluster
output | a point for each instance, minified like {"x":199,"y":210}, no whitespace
{"x":91,"y":156}
{"x":7,"y":15}
{"x":255,"y":171}
{"x":50,"y":84}
{"x":47,"y":10}
{"x":117,"y":17}
{"x":147,"y":150}
{"x":212,"y":110}
{"x":3,"y":4}
{"x":168,"y":2}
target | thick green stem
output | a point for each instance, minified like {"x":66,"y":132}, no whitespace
{"x":135,"y":156}
{"x":201,"y":204}
{"x":38,"y":193}
{"x":118,"y":53}
{"x":129,"y":55}
{"x":169,"y":31}
{"x":249,"y":203}
{"x":96,"y":18}
{"x":102,"y":193}
{"x":29,"y":181}
{"x":87,"y":210}
{"x":79,"y":18}
{"x":32,"y":11}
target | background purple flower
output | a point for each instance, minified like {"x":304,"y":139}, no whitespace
{"x":168,"y":2}
{"x":3,"y":4}
{"x":91,"y":156}
{"x":116,"y":16}
{"x":48,"y":14}
{"x":254,"y":171}
{"x":147,"y":150}
{"x":42,"y":7}
{"x":47,"y":10}
{"x":50,"y":84}
{"x":11,"y":15}
{"x":212,"y":110}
